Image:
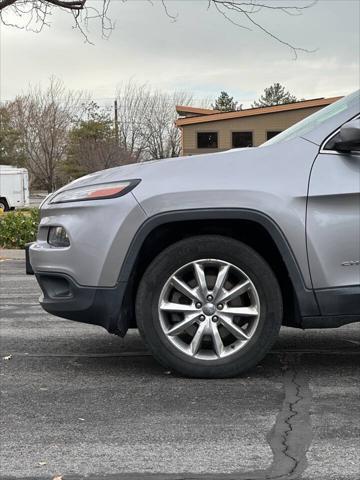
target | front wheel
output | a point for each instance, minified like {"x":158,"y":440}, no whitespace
{"x":209,"y":306}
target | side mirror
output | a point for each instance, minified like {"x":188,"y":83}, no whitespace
{"x":348,"y":138}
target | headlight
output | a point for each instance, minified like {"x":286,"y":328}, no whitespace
{"x":57,"y":237}
{"x":100,"y":191}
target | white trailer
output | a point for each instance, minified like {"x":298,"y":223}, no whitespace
{"x":14,"y":187}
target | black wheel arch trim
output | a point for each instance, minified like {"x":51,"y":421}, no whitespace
{"x":306,"y":298}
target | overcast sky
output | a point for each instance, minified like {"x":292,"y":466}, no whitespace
{"x":201,"y":52}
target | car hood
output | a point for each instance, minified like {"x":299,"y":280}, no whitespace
{"x":153,"y":168}
{"x":223,"y":178}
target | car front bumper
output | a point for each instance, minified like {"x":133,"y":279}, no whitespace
{"x":63,"y":297}
{"x":81,"y":282}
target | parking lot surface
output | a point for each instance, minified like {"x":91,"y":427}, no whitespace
{"x":79,"y":402}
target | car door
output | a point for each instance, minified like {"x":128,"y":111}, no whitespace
{"x":333,"y":230}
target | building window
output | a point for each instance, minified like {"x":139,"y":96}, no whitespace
{"x":242,"y":139}
{"x":272,"y":133}
{"x":207,"y":140}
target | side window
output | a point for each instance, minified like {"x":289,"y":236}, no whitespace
{"x":272,"y":133}
{"x":242,"y":139}
{"x":207,"y":140}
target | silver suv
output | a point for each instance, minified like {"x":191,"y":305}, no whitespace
{"x":209,"y":255}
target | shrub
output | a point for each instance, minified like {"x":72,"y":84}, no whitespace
{"x":18,"y":228}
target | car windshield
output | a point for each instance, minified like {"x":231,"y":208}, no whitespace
{"x":314,"y":120}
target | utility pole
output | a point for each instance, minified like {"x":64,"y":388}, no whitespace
{"x":116,"y":122}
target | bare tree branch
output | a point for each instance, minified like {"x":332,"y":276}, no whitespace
{"x":77,"y":5}
{"x":71,"y":5}
{"x":248,"y":10}
{"x":6,"y":3}
{"x":33,"y":14}
{"x":147,"y":121}
{"x":43,"y":118}
{"x":171,"y":16}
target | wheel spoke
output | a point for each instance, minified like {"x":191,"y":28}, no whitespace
{"x":177,"y":307}
{"x":201,"y":279}
{"x":235,"y":330}
{"x":183,"y":324}
{"x":196,"y":341}
{"x":220,"y":280}
{"x":236,"y":291}
{"x":242,"y":311}
{"x":216,"y":339}
{"x":184,"y":288}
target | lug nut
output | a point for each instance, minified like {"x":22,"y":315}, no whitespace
{"x":220,"y":306}
{"x":209,"y":297}
{"x":215,"y":318}
{"x":202,"y":317}
{"x":198,"y":305}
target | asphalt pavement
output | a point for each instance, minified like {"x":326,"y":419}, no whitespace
{"x":79,"y":403}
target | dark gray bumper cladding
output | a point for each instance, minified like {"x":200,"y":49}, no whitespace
{"x":97,"y":306}
{"x":28,"y":267}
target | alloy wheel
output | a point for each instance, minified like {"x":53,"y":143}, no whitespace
{"x":209,"y":309}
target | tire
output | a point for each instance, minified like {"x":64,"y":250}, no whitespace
{"x":219,"y":343}
{"x":3,"y":205}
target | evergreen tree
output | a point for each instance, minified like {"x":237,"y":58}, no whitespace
{"x":225,"y":103}
{"x":92,"y":144}
{"x":274,"y":95}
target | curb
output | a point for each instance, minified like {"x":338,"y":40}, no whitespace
{"x":12,"y":254}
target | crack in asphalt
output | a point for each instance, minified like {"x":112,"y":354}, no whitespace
{"x":288,"y":422}
{"x":286,"y":433}
{"x":291,"y":435}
